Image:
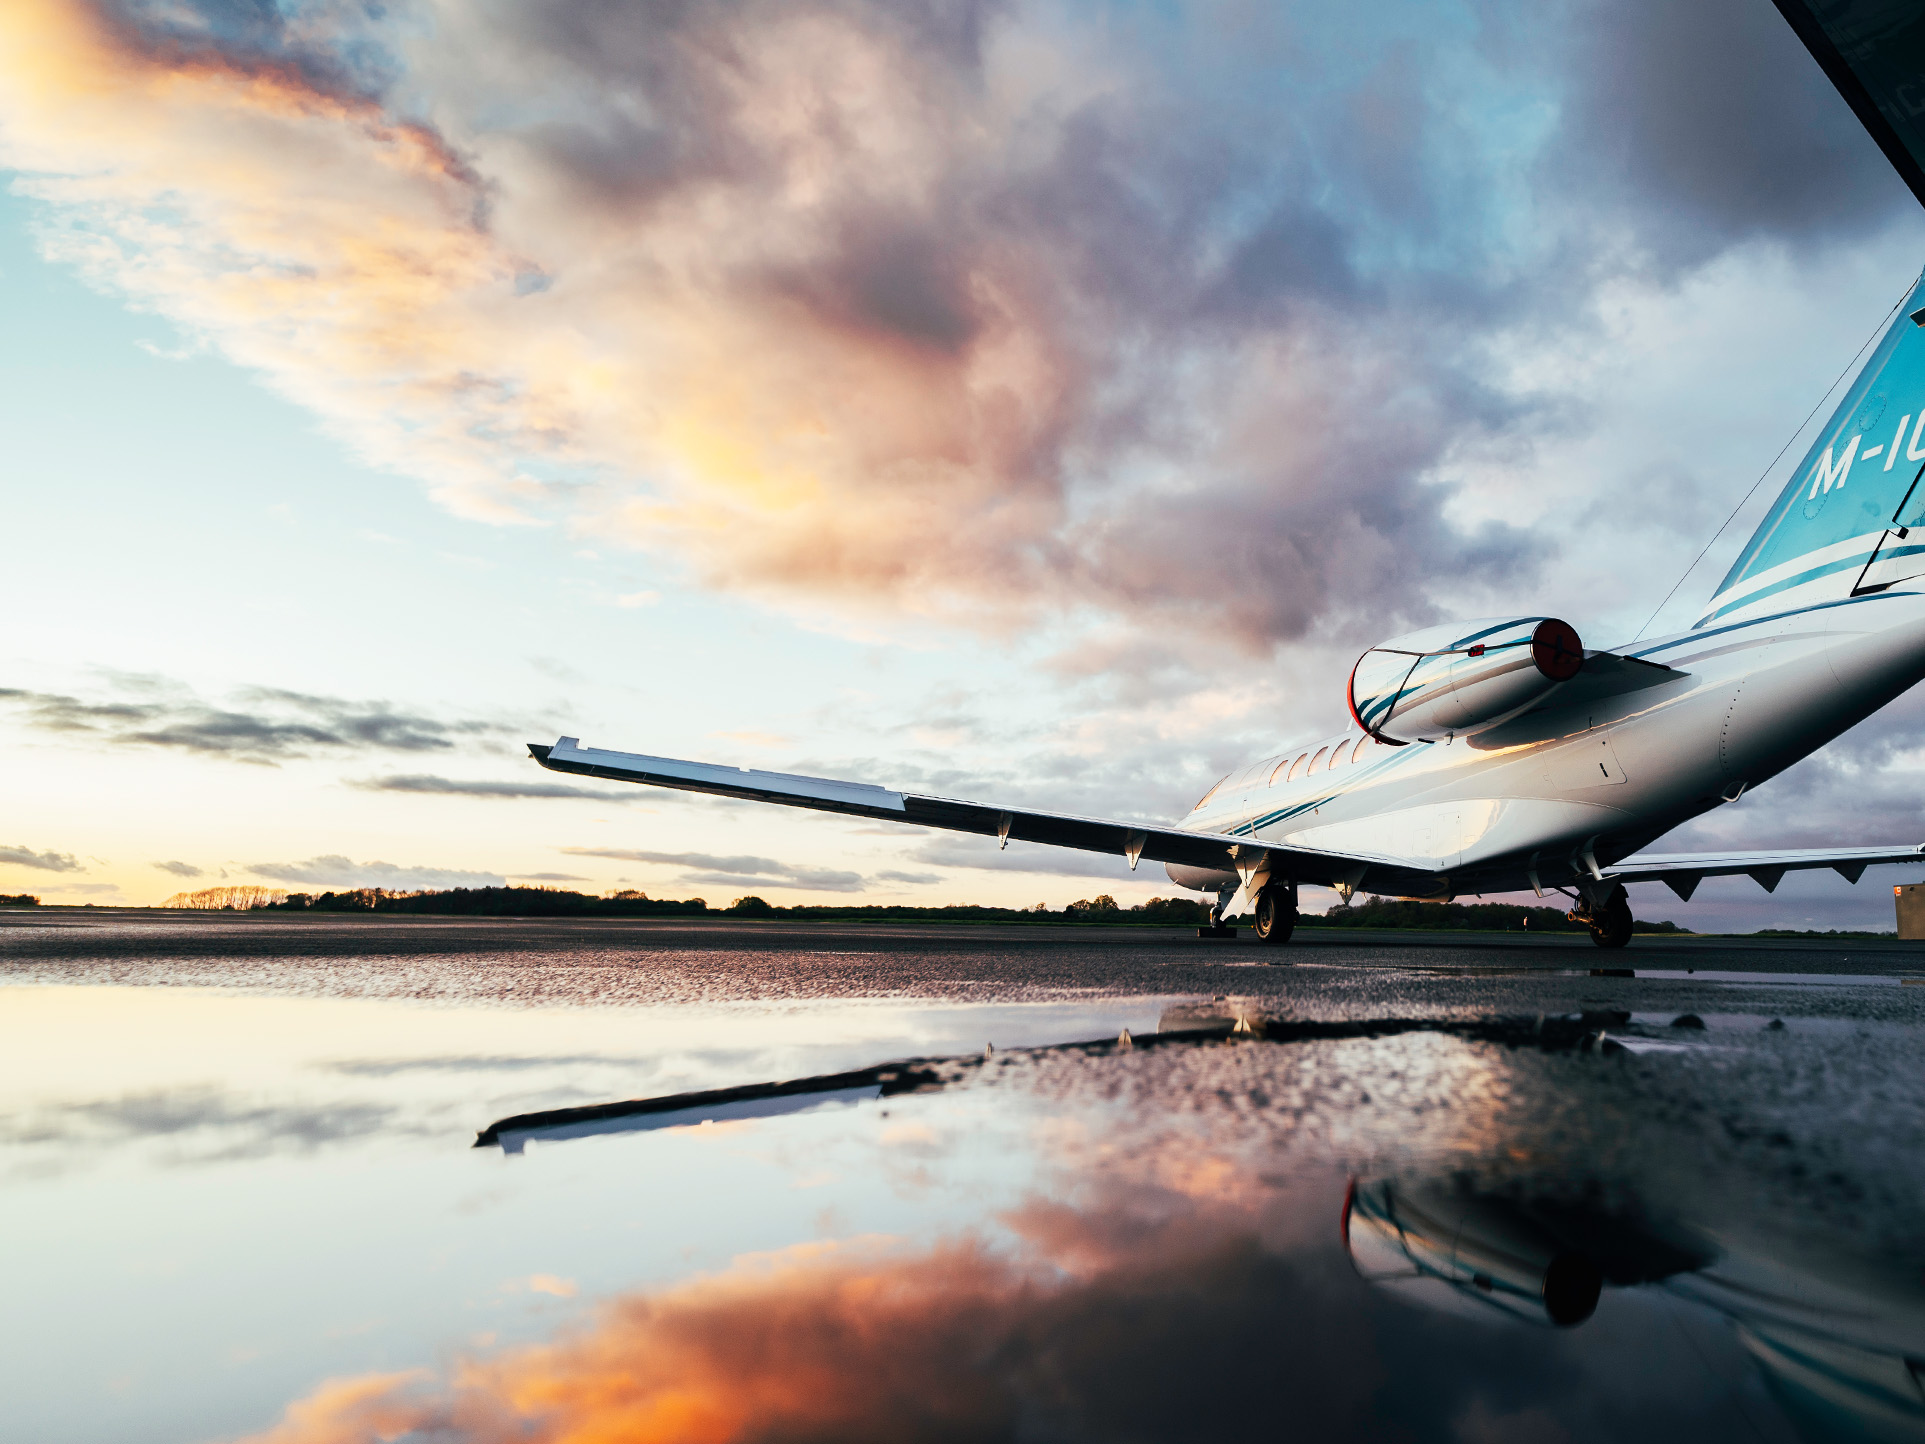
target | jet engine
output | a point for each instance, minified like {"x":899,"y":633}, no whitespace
{"x":1460,"y":678}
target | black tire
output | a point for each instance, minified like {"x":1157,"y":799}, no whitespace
{"x":1276,"y":917}
{"x":1611,"y":925}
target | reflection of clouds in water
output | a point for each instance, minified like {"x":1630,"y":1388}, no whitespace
{"x":472,"y":1063}
{"x":208,"y":1125}
{"x":1112,"y":1322}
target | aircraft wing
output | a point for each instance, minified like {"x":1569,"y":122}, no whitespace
{"x":1683,"y":871}
{"x":1874,"y":52}
{"x":1132,"y":840}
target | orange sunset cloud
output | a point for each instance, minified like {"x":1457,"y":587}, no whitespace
{"x":858,"y":307}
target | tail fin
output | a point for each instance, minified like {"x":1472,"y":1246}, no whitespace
{"x":1840,"y":527}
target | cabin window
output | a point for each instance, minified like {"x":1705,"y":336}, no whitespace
{"x":1276,"y":773}
{"x":1317,"y":761}
{"x":1357,"y":752}
{"x":1296,"y":768}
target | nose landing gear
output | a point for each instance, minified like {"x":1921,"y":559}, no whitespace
{"x":1608,"y":917}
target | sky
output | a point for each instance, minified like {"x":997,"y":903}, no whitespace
{"x":1028,"y":402}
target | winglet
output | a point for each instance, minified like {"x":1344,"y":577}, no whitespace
{"x":539,"y":751}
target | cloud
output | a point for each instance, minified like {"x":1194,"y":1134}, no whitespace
{"x":560,"y":1288}
{"x":265,"y":724}
{"x":180,"y":869}
{"x":1024,"y":857}
{"x":41,"y":861}
{"x":1763,"y":147}
{"x":740,"y":871}
{"x":547,"y":877}
{"x":933,"y":309}
{"x":336,"y":871}
{"x":913,"y":879}
{"x":451,"y":787}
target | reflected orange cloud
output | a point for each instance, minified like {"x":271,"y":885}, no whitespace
{"x":820,"y":1343}
{"x":354,"y":1411}
{"x":1123,"y":1317}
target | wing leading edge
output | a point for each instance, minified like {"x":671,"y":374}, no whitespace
{"x":1135,"y":841}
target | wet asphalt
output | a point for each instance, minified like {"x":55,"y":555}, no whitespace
{"x":1322,"y":974}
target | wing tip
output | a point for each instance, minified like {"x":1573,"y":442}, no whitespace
{"x":539,"y":751}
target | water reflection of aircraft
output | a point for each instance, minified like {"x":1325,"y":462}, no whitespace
{"x":1836,"y":1328}
{"x":1222,"y":1019}
{"x":1844,"y":1361}
{"x":1500,"y":754}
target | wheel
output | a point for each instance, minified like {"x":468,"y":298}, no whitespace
{"x":1276,"y":916}
{"x":1611,"y":924}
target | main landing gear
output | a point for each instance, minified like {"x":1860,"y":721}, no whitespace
{"x":1608,"y":917}
{"x":1276,"y":915}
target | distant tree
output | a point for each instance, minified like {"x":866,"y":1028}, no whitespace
{"x":751,"y":905}
{"x":1102,"y":903}
{"x":1173,"y":910}
{"x":629,"y":894}
{"x":1381,"y":912}
{"x":18,"y":900}
{"x":219,"y":899}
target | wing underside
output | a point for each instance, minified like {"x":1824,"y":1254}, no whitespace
{"x":1683,"y":871}
{"x":1134,"y":841}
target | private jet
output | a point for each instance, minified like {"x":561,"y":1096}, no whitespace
{"x":1502,"y":754}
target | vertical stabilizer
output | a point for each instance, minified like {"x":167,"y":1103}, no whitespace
{"x":1848,"y":520}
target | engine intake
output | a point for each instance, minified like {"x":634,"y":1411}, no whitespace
{"x":1460,"y":678}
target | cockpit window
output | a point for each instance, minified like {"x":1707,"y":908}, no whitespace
{"x":1211,"y":793}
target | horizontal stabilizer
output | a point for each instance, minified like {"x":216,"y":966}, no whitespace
{"x":1683,"y":871}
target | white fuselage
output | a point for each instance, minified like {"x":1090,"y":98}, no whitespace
{"x":1572,"y":785}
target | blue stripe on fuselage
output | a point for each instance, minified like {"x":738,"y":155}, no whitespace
{"x":1691,"y":639}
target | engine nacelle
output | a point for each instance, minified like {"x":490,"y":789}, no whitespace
{"x":1460,"y":678}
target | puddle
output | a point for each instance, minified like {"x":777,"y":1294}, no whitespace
{"x":230,"y":1214}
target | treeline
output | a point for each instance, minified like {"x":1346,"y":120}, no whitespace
{"x":560,"y":902}
{"x":1376,"y":912}
{"x":18,"y":900}
{"x":1162,"y":911}
{"x":1383,"y":912}
{"x":520,"y":902}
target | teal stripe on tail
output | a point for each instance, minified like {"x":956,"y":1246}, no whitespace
{"x":1836,"y":525}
